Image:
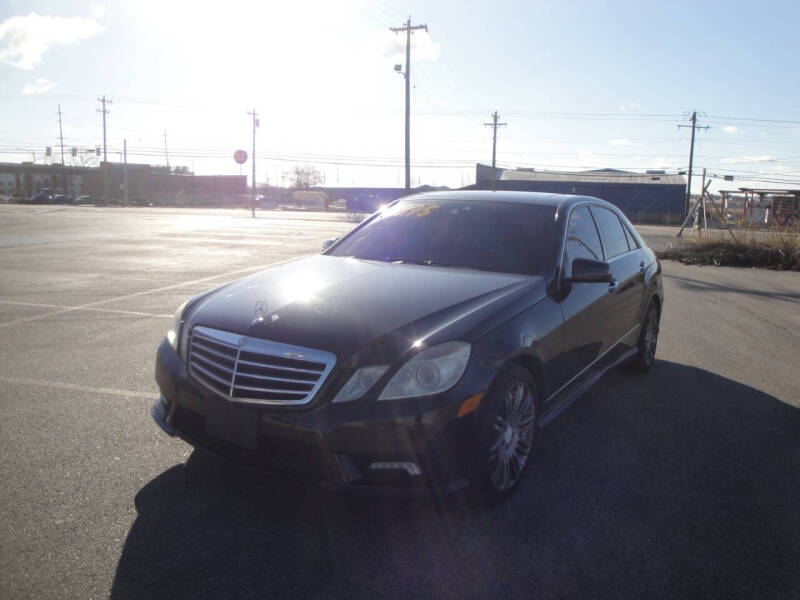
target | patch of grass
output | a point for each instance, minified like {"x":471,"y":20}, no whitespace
{"x":764,"y":249}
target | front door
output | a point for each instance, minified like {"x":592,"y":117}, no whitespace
{"x":588,"y":309}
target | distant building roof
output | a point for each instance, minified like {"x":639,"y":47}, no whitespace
{"x":595,"y":176}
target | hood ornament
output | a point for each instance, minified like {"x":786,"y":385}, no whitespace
{"x":260,"y":311}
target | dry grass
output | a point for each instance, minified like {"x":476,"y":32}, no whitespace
{"x":353,"y":217}
{"x":779,"y":250}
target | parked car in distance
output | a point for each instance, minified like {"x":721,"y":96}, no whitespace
{"x":423,"y":350}
{"x":62,"y":199}
{"x":43,"y":196}
{"x":84,"y":199}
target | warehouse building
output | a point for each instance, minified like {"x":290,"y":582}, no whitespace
{"x":650,"y":197}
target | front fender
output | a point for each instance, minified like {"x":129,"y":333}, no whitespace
{"x":534,"y":338}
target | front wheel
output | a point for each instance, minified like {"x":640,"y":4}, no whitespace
{"x":648,"y":340}
{"x":505,"y":438}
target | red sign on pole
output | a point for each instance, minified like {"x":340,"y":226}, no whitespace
{"x":240,"y":156}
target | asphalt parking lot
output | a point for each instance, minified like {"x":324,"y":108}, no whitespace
{"x":681,"y":484}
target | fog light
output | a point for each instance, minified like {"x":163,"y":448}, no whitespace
{"x":409,"y":467}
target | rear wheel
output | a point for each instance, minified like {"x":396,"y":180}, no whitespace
{"x":648,"y":339}
{"x":506,"y":431}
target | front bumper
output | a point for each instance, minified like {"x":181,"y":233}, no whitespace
{"x":335,"y":445}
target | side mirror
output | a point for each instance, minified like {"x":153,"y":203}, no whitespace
{"x":328,"y":243}
{"x":585,"y":270}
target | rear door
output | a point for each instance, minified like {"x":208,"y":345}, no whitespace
{"x":624,"y":257}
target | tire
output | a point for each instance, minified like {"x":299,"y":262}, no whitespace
{"x":506,"y":429}
{"x":648,"y":340}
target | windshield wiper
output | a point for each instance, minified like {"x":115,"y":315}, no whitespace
{"x":403,"y":261}
{"x":427,"y":263}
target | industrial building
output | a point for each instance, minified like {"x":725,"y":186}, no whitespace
{"x":146,"y":183}
{"x":650,"y":197}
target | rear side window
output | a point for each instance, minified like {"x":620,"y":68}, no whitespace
{"x":631,"y":238}
{"x":582,"y":239}
{"x":615,"y":241}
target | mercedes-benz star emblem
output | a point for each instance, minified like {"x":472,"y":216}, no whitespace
{"x":261,"y":310}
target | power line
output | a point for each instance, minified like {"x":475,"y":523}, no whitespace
{"x":758,"y":120}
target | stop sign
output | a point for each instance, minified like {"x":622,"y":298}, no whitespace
{"x":240,"y":156}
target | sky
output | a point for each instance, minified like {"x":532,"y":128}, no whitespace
{"x":580,"y":85}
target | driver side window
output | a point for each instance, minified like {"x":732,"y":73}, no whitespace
{"x":583,"y":240}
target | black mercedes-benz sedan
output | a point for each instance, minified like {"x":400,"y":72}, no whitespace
{"x":421,"y":351}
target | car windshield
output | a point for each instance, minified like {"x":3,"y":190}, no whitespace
{"x":506,"y":237}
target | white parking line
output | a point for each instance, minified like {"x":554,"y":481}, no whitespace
{"x":91,"y":305}
{"x":107,"y":310}
{"x":76,"y":387}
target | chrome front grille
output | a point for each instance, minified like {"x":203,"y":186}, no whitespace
{"x":256,"y":371}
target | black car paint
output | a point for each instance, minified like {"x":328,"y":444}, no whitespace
{"x":368,"y":312}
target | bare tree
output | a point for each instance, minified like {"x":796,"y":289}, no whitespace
{"x":305,"y":177}
{"x":84,"y":158}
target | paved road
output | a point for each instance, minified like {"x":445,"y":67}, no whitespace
{"x":682,"y":483}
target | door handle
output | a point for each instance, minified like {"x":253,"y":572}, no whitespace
{"x":612,"y":287}
{"x":642,"y":267}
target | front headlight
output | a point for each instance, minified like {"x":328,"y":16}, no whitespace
{"x":360,"y":383}
{"x":173,"y":335}
{"x":432,"y":371}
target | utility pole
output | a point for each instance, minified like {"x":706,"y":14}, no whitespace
{"x":105,"y":111}
{"x":408,"y":28}
{"x":166,"y":153}
{"x":61,"y":135}
{"x":125,"y":171}
{"x":494,"y":125}
{"x":691,"y":156}
{"x":256,"y":123}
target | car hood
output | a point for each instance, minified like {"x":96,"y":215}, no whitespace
{"x":358,"y":309}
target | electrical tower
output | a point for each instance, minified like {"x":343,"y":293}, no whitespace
{"x":691,"y":156}
{"x":408,"y":28}
{"x":256,"y":123}
{"x":494,"y":125}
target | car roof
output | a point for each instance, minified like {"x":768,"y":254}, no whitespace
{"x":540,"y":198}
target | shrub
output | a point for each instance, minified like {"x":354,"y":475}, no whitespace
{"x":769,"y":250}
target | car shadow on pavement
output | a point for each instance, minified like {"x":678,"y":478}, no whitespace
{"x":673,"y":485}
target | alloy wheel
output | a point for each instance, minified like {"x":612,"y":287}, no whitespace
{"x":512,"y":436}
{"x":650,"y":339}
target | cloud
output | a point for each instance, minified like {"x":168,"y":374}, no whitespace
{"x":622,"y":142}
{"x":629,"y":107}
{"x":730,"y":129}
{"x":749,"y":159}
{"x":40,"y":86}
{"x":24,"y":39}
